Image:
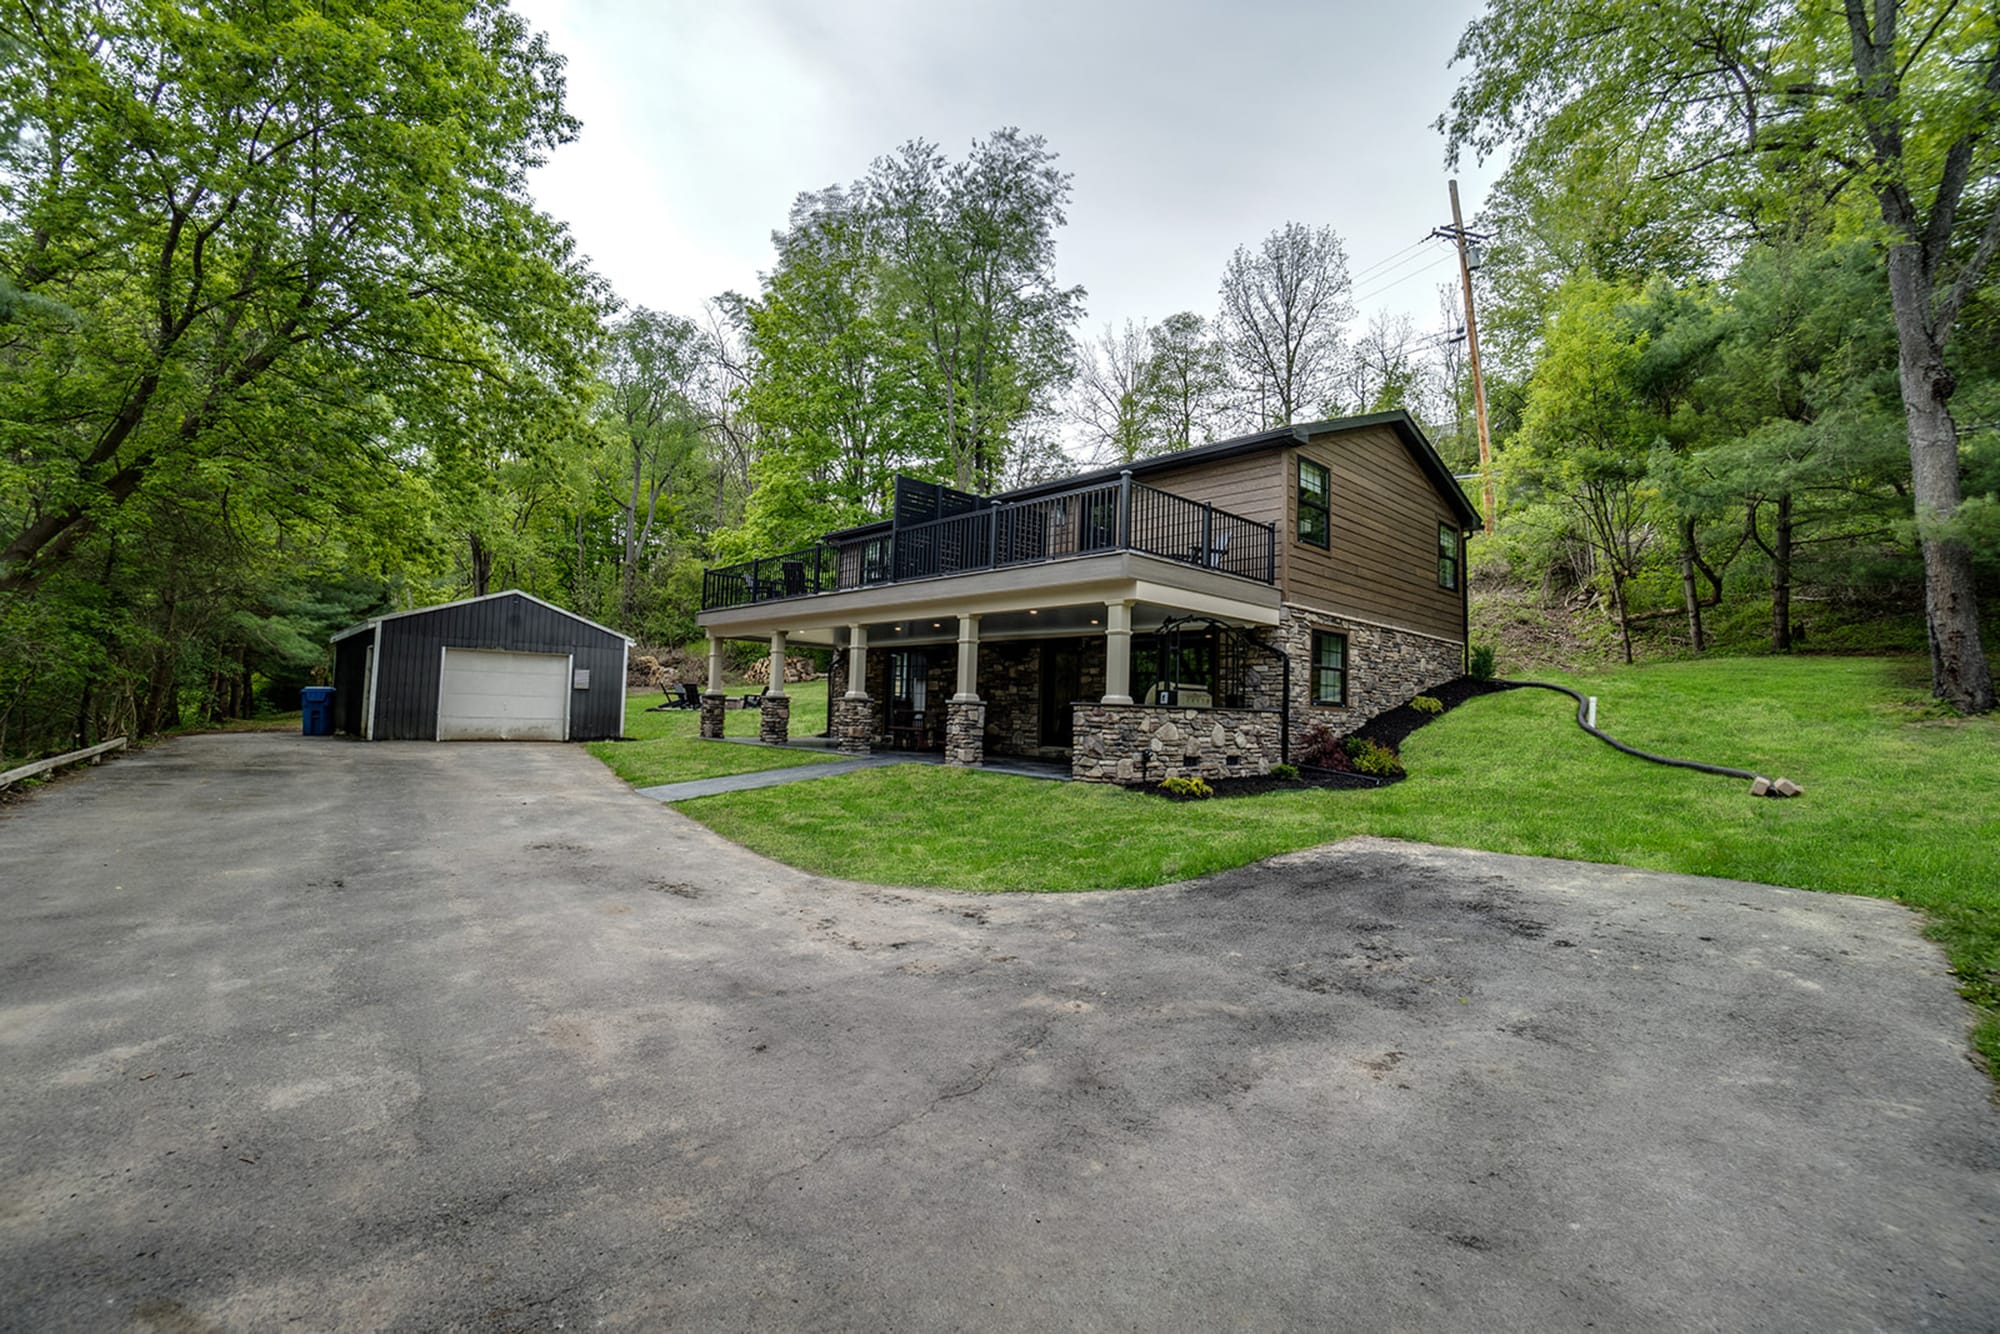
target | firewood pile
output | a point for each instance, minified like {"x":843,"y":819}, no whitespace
{"x":662,"y":668}
{"x":796,"y":670}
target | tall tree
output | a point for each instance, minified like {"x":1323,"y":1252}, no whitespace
{"x":651,"y":367}
{"x":1114,"y":391}
{"x":971,"y":277}
{"x":1284,"y":305}
{"x":227,"y":191}
{"x":1189,"y":381}
{"x":1754,"y":106}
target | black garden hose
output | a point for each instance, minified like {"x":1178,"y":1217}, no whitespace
{"x":1583,"y":705}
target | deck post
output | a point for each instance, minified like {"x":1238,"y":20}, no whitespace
{"x":857,"y":662}
{"x":968,"y":661}
{"x":1125,"y":509}
{"x":1117,"y":653}
{"x":712,"y":699}
{"x":776,"y":685}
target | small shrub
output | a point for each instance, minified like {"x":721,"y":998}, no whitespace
{"x":1186,"y":787}
{"x":1479,"y":663}
{"x":1319,"y":747}
{"x":1428,"y":704}
{"x":1285,"y":772}
{"x":1372,"y":757}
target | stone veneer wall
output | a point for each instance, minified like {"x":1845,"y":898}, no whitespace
{"x":852,"y":724}
{"x":711,"y":715}
{"x":964,"y":733}
{"x":774,"y":720}
{"x":1134,"y":743}
{"x":1384,"y":667}
{"x":1010,"y":682}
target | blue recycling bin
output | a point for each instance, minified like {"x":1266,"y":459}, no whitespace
{"x":316,"y":710}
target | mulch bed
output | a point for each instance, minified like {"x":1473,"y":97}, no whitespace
{"x":1388,"y":729}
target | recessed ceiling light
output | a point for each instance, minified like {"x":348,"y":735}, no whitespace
{"x":1033,"y":612}
{"x":1093,"y":620}
{"x":936,"y":624}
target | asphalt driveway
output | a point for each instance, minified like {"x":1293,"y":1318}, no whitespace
{"x":320,"y":1034}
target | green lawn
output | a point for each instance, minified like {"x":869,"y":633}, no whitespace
{"x":1898,"y":803}
{"x":667,"y":747}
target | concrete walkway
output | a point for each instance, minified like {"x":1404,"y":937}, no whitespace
{"x":711,"y":787}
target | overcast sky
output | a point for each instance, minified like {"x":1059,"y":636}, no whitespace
{"x":1190,"y":128}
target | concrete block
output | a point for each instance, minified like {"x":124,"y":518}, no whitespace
{"x":1785,"y":787}
{"x":1760,"y":787}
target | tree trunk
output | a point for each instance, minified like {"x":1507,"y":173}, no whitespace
{"x":1781,"y":576}
{"x":1618,"y":602}
{"x":1689,"y":591}
{"x":482,"y":564}
{"x":1960,"y":673}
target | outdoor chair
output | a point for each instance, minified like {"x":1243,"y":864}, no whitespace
{"x":1218,"y":548}
{"x":795,"y":578}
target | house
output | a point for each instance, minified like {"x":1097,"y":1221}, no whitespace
{"x":504,"y":667}
{"x":1190,"y":613}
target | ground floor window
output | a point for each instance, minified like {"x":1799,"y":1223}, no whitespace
{"x":1329,"y":667}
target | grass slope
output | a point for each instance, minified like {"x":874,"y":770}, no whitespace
{"x":1900,"y":803}
{"x":668,"y":748}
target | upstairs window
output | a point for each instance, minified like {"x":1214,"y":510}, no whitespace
{"x":1315,"y":488}
{"x":1447,"y":556}
{"x":1329,"y":668}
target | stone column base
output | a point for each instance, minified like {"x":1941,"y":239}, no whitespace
{"x":965,"y":733}
{"x":711,"y":716}
{"x":854,"y":725}
{"x":774,"y":725}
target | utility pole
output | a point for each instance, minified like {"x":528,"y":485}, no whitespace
{"x":1457,"y":234}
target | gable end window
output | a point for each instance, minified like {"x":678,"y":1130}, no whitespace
{"x":1447,"y":556}
{"x":1329,"y":667}
{"x":1315,"y":488}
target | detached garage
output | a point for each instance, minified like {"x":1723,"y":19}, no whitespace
{"x":506,"y":667}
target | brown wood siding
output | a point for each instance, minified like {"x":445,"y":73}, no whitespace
{"x":1385,"y":517}
{"x":1252,"y":485}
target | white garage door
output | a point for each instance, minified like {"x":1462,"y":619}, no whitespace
{"x":503,"y":696}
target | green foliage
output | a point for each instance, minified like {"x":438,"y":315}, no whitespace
{"x":280,"y":287}
{"x":913,"y":323}
{"x":1479,"y":662}
{"x":1427,"y":704}
{"x":1285,"y":772}
{"x":1662,"y":140}
{"x":1373,"y":758}
{"x":1193,"y":787}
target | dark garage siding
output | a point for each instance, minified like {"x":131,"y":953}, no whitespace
{"x":412,"y":654}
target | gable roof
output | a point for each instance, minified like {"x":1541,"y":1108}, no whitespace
{"x":1402,"y":423}
{"x":374,"y":621}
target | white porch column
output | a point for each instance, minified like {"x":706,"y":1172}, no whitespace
{"x":777,"y":686}
{"x":968,"y":661}
{"x":1117,"y":653}
{"x":714,"y":665}
{"x":857,"y":662}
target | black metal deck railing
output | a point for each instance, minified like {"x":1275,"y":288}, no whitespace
{"x":1112,"y":516}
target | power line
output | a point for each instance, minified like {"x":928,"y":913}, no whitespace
{"x":1360,"y":274}
{"x":1376,"y":291}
